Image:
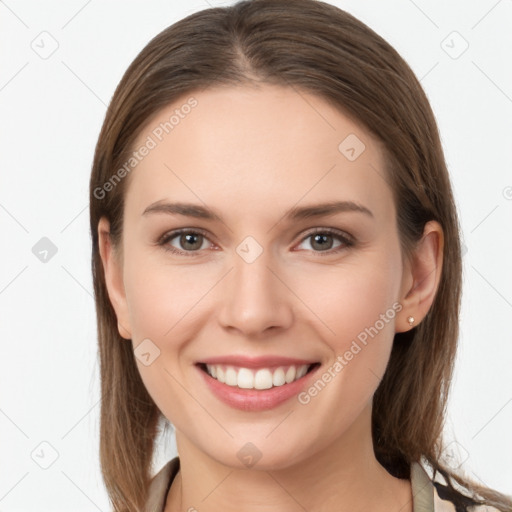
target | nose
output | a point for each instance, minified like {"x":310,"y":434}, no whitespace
{"x":255,"y":299}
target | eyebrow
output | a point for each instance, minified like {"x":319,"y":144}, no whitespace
{"x":294,"y":214}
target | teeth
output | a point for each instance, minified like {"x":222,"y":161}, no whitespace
{"x":245,"y":379}
{"x":290,"y":375}
{"x":278,"y":379}
{"x":230,"y":376}
{"x":264,"y":378}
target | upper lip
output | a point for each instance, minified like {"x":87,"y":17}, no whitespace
{"x":256,"y":362}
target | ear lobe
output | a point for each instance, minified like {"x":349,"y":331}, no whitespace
{"x":114,"y":278}
{"x":421,"y":277}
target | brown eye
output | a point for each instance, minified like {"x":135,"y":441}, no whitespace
{"x":322,"y":241}
{"x":185,"y":241}
{"x":191,"y":241}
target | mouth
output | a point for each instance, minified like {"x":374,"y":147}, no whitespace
{"x":256,"y":384}
{"x":257,"y":378}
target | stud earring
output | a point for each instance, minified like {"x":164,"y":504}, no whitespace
{"x":410,"y":320}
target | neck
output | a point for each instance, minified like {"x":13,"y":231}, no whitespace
{"x":343,"y":477}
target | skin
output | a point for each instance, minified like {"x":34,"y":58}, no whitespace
{"x":252,"y":153}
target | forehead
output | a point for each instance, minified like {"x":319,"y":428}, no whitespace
{"x":252,"y":150}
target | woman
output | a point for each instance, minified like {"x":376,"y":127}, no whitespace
{"x":302,"y":346}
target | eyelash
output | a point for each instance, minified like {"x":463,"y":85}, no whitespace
{"x":345,"y":239}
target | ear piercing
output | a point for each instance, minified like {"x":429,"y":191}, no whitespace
{"x":410,"y":320}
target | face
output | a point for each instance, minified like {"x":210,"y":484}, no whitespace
{"x":258,"y":274}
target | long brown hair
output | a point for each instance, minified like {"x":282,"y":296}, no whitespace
{"x":315,"y":47}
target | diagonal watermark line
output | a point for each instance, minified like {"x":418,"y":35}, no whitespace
{"x":14,"y":76}
{"x":192,"y":307}
{"x":479,"y":478}
{"x":492,"y":211}
{"x":485,"y":15}
{"x":13,"y":13}
{"x":492,"y":81}
{"x":84,"y":416}
{"x":73,"y":219}
{"x":504,"y":298}
{"x":383,"y":178}
{"x":14,"y":218}
{"x":334,"y":334}
{"x":76,"y":280}
{"x":83,"y":83}
{"x":211,"y":492}
{"x":17,"y":483}
{"x":76,"y":14}
{"x":285,"y":490}
{"x":199,"y":403}
{"x":375,"y":375}
{"x":14,"y":279}
{"x":280,"y":423}
{"x":424,"y":14}
{"x":428,"y":72}
{"x":81,"y":491}
{"x":418,"y":492}
{"x":14,"y":424}
{"x":492,"y":418}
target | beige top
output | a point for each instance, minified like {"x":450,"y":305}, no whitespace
{"x":425,"y":493}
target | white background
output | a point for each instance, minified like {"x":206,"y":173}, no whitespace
{"x":51,"y":113}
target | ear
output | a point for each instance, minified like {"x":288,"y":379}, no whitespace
{"x":112,"y":266}
{"x":421,"y":277}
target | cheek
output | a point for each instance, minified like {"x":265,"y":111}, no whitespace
{"x":162,"y":298}
{"x":359,"y":304}
{"x":163,"y":309}
{"x":355,"y":299}
{"x":360,"y":310}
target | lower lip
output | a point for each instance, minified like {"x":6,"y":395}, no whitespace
{"x":255,"y":399}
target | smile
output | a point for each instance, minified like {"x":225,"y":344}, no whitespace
{"x":263,"y":378}
{"x":256,"y":389}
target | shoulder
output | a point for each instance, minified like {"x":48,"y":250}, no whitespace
{"x":430,"y":495}
{"x":447,"y":500}
{"x":159,"y":486}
